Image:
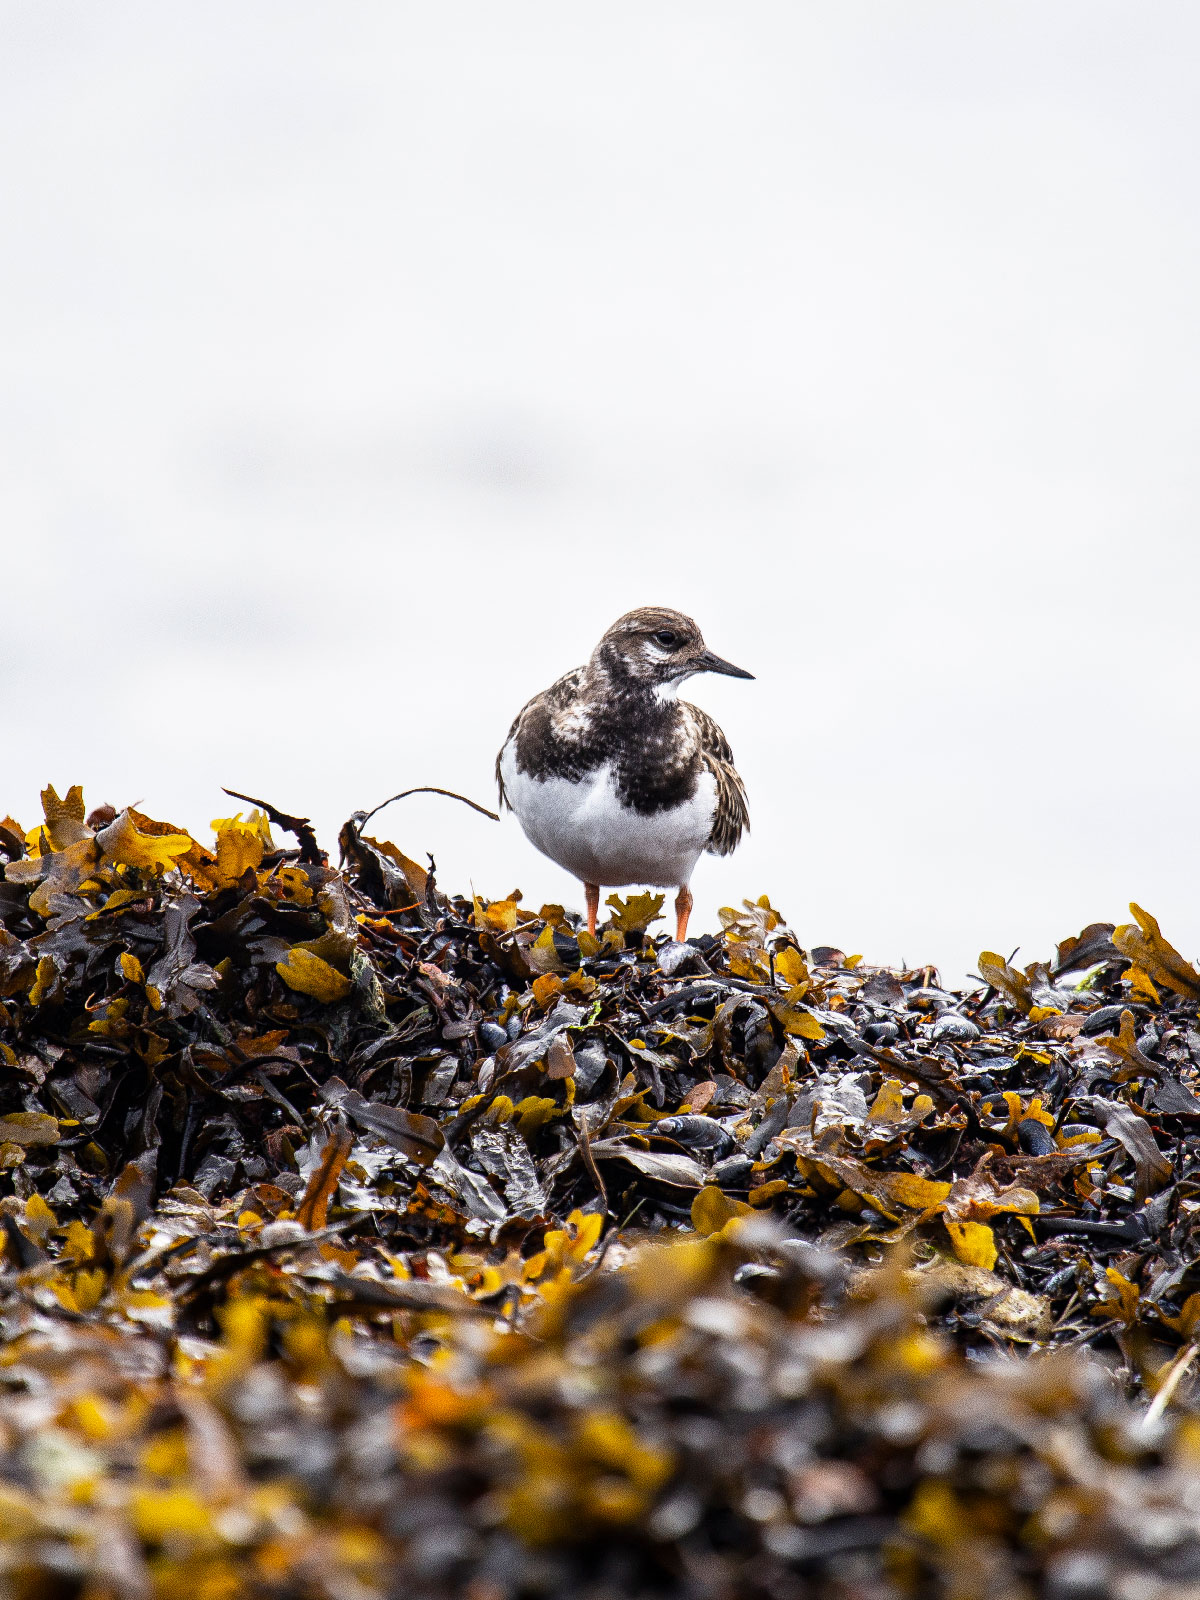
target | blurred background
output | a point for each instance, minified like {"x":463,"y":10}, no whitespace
{"x":362,"y":362}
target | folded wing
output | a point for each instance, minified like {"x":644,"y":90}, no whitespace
{"x":732,"y":816}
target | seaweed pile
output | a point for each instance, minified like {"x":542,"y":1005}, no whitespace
{"x":361,"y":1239}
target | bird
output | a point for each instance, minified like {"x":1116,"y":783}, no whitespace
{"x":614,"y":777}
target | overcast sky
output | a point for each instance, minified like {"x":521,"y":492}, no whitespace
{"x":363,"y":361}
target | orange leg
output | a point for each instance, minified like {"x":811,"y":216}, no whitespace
{"x":683,"y":910}
{"x":592,"y":891}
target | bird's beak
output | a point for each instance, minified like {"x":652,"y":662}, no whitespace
{"x":708,"y":662}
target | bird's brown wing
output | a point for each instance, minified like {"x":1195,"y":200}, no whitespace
{"x":560,"y":693}
{"x":732,"y":817}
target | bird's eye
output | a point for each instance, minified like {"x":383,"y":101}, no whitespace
{"x":666,"y":638}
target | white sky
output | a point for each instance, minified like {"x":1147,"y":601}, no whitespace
{"x":362,"y":361}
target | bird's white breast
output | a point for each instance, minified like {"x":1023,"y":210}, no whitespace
{"x":583,"y":825}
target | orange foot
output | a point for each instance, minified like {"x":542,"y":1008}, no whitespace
{"x":683,"y":910}
{"x":592,"y":891}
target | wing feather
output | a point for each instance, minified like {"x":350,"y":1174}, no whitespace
{"x":732,"y":816}
{"x":560,"y":693}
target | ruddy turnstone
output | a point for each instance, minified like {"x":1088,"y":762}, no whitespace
{"x":614,"y":777}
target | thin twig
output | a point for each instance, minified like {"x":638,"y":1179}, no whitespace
{"x":280,"y":1099}
{"x":1061,"y":1320}
{"x":426,"y":788}
{"x":589,"y":1160}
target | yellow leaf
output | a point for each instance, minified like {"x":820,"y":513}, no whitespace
{"x":165,"y":1455}
{"x":307,"y":973}
{"x":29,"y":1128}
{"x":168,"y":1514}
{"x":883,"y":1190}
{"x":543,"y":954}
{"x":797,"y":1019}
{"x":1038,"y":1057}
{"x":1139,"y":983}
{"x":1146,"y":948}
{"x":1019,"y":1112}
{"x":1038,"y":1112}
{"x":975,"y":1198}
{"x":791,"y":966}
{"x":45,"y":978}
{"x":935,"y":1513}
{"x":712,"y":1210}
{"x":499,"y":917}
{"x":766,"y":1192}
{"x":1123,"y":1047}
{"x":124,"y":843}
{"x":295,"y":885}
{"x":588,"y":1227}
{"x":240,"y":846}
{"x":565,"y":1247}
{"x":119,"y":898}
{"x":89,"y":1287}
{"x":748,"y":964}
{"x":1188,"y":1320}
{"x":1074,"y":1140}
{"x":974,"y":1242}
{"x":918,"y":1194}
{"x":93,"y":1415}
{"x":1122,"y":1299}
{"x":533,"y":1112}
{"x":608,"y":1438}
{"x":888,"y":1105}
{"x":547,"y":989}
{"x":1013,"y":985}
{"x":636,"y":912}
{"x":254,"y":821}
{"x":39,"y":1218}
{"x":65,"y":1296}
{"x":131,"y":968}
{"x":336,"y":946}
{"x":80,"y":1243}
{"x":64,"y":818}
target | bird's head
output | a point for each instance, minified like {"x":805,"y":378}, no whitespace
{"x":658,"y":648}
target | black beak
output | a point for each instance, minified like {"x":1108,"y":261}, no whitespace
{"x":708,"y":662}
